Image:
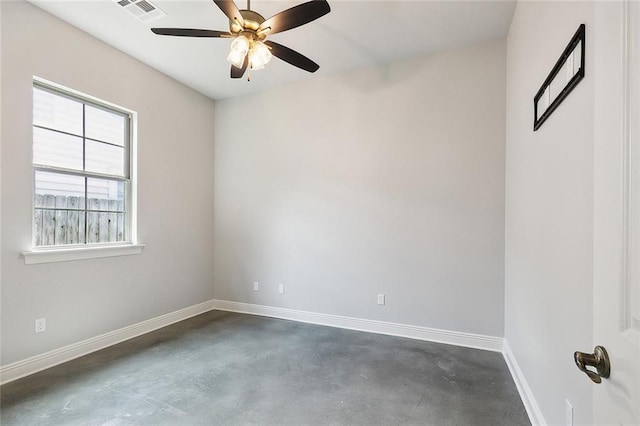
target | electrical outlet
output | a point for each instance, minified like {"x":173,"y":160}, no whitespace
{"x":281,"y":288}
{"x":568,"y":413}
{"x":381,"y":299}
{"x":256,"y":286}
{"x":41,"y":325}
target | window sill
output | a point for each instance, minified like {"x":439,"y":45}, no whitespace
{"x":80,"y":253}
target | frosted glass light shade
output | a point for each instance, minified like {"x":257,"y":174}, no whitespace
{"x":259,"y":55}
{"x":239,"y":49}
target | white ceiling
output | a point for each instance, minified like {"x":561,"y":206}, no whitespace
{"x":354,"y":34}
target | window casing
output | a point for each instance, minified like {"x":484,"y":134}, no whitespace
{"x":83,"y":174}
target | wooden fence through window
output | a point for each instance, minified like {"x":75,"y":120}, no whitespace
{"x":63,"y":220}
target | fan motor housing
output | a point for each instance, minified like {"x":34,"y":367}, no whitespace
{"x":252,"y":21}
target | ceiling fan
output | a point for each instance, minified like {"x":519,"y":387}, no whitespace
{"x":249,"y":49}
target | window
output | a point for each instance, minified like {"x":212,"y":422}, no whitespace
{"x":83,"y":186}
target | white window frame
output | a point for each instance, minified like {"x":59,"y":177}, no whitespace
{"x":45,"y":254}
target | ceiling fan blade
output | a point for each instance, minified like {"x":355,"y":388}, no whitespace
{"x":239,"y":72}
{"x":291,"y":56}
{"x":190,"y":32}
{"x":296,"y":16}
{"x":230,"y":9}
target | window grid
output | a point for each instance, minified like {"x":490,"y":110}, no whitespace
{"x":37,"y":126}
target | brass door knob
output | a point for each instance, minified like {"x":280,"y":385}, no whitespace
{"x":599,"y":359}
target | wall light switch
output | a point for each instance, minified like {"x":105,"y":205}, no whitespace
{"x":256,"y":286}
{"x":281,"y":288}
{"x":381,"y":299}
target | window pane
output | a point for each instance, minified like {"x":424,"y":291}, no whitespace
{"x":105,"y":125}
{"x":105,"y":198}
{"x":59,"y":216}
{"x":107,"y":190}
{"x":56,"y":149}
{"x":56,"y":112}
{"x":103,"y":158}
{"x":54,"y":184}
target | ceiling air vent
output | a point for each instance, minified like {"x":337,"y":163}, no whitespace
{"x":143,"y":10}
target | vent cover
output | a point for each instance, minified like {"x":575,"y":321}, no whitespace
{"x":143,"y":10}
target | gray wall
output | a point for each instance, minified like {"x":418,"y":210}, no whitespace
{"x":82,"y":299}
{"x":549,"y":208}
{"x":384,"y":180}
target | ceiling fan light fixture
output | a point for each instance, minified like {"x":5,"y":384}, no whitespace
{"x":239,"y":49}
{"x":249,"y":29}
{"x":259,"y":56}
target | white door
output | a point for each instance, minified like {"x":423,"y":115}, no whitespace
{"x":616,"y":291}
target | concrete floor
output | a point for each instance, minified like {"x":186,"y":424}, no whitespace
{"x":225,"y":368}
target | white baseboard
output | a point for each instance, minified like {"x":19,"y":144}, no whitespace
{"x":25,"y":367}
{"x":478,"y":341}
{"x":529,"y":401}
{"x":22,"y":368}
